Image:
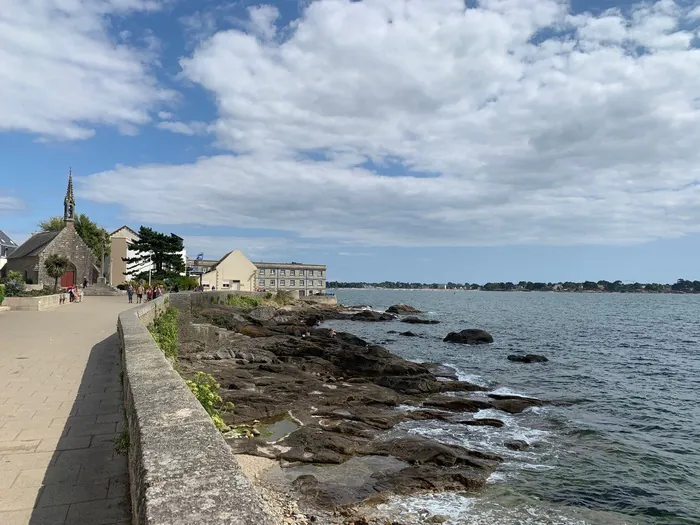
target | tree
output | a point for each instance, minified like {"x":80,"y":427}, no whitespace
{"x":94,"y":236}
{"x":159,"y":248}
{"x":56,"y":265}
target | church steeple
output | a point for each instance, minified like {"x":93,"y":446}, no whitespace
{"x":69,"y":201}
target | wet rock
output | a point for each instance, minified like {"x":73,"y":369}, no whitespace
{"x":483,"y":422}
{"x":372,"y":316}
{"x":461,"y":386}
{"x":514,"y":404}
{"x":456,"y":404}
{"x":439,"y":370}
{"x":517,"y":444}
{"x":252,"y":330}
{"x":403,"y":309}
{"x":417,"y":320}
{"x":422,"y":451}
{"x":409,"y":334}
{"x":527,"y":358}
{"x":471,"y":336}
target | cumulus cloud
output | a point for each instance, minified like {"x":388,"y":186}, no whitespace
{"x":10,"y":204}
{"x":62,"y":74}
{"x":515,"y":121}
{"x":256,"y":248}
{"x":184,"y":128}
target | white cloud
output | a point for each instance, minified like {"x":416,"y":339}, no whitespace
{"x":10,"y":204}
{"x":62,"y":74}
{"x":184,"y":128}
{"x":541,"y":126}
{"x":164,"y":115}
{"x":256,"y":248}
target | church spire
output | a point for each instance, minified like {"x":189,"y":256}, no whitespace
{"x":69,"y":201}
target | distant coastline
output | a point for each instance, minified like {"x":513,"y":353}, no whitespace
{"x":681,"y":286}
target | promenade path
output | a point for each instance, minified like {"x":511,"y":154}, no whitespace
{"x":61,"y":409}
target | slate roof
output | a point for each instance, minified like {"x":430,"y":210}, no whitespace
{"x":5,"y":240}
{"x":33,"y":245}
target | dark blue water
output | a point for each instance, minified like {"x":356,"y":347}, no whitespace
{"x":627,"y":449}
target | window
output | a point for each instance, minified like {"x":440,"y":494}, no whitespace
{"x":319,"y":273}
{"x":261,"y":282}
{"x":301,"y":272}
{"x":301,"y":282}
{"x":292,"y":282}
{"x":281,"y":282}
{"x":272,"y":282}
{"x":318,"y":283}
{"x":282,"y":272}
{"x":262,"y":271}
{"x":291,"y":272}
{"x":226,"y":284}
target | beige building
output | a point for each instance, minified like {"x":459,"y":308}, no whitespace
{"x":121,"y":239}
{"x":119,"y":249}
{"x":307,"y":279}
{"x":233,"y":271}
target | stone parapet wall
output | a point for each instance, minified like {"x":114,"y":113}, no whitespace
{"x":180,"y":467}
{"x":34,"y":304}
{"x":321,"y":299}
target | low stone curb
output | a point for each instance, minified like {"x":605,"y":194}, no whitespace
{"x":181,"y":469}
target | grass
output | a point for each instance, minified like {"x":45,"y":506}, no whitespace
{"x":243,"y":301}
{"x":164,"y":331}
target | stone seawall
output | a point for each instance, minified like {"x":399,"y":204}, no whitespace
{"x":181,"y":469}
{"x":34,"y":304}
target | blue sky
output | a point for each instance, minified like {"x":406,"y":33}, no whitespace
{"x":389,"y":139}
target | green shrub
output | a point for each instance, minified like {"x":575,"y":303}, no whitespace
{"x":2,"y":293}
{"x":14,"y":288}
{"x":283,"y":297}
{"x":242,"y":301}
{"x":164,"y":330}
{"x":206,"y":390}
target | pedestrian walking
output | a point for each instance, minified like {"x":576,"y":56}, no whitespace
{"x":139,"y":294}
{"x":130,"y":293}
{"x":85,"y":283}
{"x":149,"y":294}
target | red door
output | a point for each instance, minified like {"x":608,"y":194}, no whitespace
{"x":68,"y":279}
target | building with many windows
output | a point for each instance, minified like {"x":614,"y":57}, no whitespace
{"x":307,"y":279}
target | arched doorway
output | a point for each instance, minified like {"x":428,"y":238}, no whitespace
{"x":68,"y":278}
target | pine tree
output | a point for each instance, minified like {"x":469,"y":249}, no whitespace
{"x":160,"y":248}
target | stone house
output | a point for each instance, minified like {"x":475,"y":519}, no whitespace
{"x":29,"y":257}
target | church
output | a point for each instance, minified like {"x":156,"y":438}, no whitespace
{"x":28,"y":258}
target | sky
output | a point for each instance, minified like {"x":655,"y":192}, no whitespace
{"x":412,"y":140}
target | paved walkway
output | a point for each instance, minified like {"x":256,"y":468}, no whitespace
{"x":60,"y":412}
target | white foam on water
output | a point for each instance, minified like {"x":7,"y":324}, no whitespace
{"x":505,"y":391}
{"x":460,"y":509}
{"x":464,"y":376}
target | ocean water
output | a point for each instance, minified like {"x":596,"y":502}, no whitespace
{"x":627,"y":448}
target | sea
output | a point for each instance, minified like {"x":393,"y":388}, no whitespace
{"x":624,"y":448}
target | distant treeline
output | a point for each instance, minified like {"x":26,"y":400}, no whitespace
{"x":680,"y":286}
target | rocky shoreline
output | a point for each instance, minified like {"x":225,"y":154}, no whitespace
{"x":322,"y":406}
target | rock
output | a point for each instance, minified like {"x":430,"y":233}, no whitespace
{"x":422,"y":451}
{"x":517,"y":444}
{"x":403,"y":309}
{"x":372,"y":316}
{"x":263,"y":313}
{"x":437,"y":518}
{"x":483,"y":422}
{"x":471,"y":336}
{"x":456,"y":404}
{"x":439,"y":370}
{"x":527,"y":358}
{"x":417,"y":320}
{"x":409,"y":334}
{"x":514,"y":404}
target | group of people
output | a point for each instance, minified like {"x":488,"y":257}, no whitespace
{"x":74,"y":294}
{"x":151,"y":292}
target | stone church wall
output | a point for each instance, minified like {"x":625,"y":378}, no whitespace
{"x":69,"y":244}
